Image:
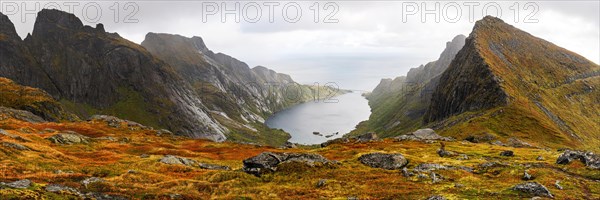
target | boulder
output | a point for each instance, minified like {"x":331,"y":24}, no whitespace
{"x":321,"y":183}
{"x":426,"y":167}
{"x":91,"y":180}
{"x":384,"y":161}
{"x":557,"y":185}
{"x":436,"y":197}
{"x":507,"y":153}
{"x":69,"y":138}
{"x":442,"y":152}
{"x":479,"y":138}
{"x":589,"y":159}
{"x":175,"y":160}
{"x":527,"y":176}
{"x":20,"y":184}
{"x":533,"y":189}
{"x":335,"y":141}
{"x":57,"y":188}
{"x":367,"y":137}
{"x":423,"y":135}
{"x":515,"y":142}
{"x":267,"y":162}
{"x":213,"y":166}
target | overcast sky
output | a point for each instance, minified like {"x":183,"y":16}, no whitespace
{"x":364,"y":41}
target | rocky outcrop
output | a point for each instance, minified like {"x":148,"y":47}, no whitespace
{"x":467,"y":85}
{"x":9,"y":113}
{"x":175,"y":160}
{"x":32,"y":100}
{"x":521,"y":83}
{"x":267,"y":162}
{"x":533,"y":189}
{"x":423,"y":135}
{"x":69,"y":138}
{"x":589,"y":159}
{"x":384,"y":161}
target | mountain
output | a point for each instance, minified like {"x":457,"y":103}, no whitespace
{"x":91,"y":71}
{"x":503,"y":82}
{"x":509,"y":83}
{"x":239,"y":97}
{"x":168,"y":82}
{"x":398,"y":105}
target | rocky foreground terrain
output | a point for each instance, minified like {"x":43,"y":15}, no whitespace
{"x":109,"y":158}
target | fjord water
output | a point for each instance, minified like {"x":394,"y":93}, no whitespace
{"x":324,"y":117}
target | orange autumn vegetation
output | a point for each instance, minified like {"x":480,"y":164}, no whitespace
{"x":111,"y":160}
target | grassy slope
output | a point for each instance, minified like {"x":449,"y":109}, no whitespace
{"x":37,"y":101}
{"x":112,"y":160}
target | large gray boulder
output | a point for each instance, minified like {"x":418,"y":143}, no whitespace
{"x":589,"y":159}
{"x":533,"y":189}
{"x":69,"y":138}
{"x":175,"y":160}
{"x":267,"y":162}
{"x":384,"y":161}
{"x":423,"y":135}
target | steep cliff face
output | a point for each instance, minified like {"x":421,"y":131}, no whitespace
{"x":507,"y":82}
{"x":92,"y":71}
{"x":398,"y":105}
{"x":240,"y":97}
{"x":467,"y":85}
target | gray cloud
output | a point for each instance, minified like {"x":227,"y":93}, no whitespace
{"x":369,"y":42}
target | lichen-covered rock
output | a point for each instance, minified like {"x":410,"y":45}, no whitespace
{"x":384,"y":161}
{"x":86,"y":182}
{"x":423,"y":135}
{"x":20,"y":184}
{"x":175,"y":160}
{"x":589,"y":159}
{"x":213,"y":166}
{"x":69,"y":138}
{"x":335,"y":141}
{"x":533,"y":188}
{"x":367,"y":137}
{"x":268,"y":161}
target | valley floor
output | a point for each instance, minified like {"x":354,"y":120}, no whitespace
{"x":128,"y":161}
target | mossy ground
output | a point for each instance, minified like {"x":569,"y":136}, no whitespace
{"x":112,"y":160}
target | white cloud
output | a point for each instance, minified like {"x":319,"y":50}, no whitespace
{"x":370,"y":41}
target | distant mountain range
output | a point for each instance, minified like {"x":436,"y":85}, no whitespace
{"x":502,"y":82}
{"x":169,"y":81}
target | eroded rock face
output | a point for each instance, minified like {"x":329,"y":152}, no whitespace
{"x":22,"y":115}
{"x":423,"y":135}
{"x":69,"y":138}
{"x":267,"y":162}
{"x":85,"y":65}
{"x":384,"y":161}
{"x":533,"y":188}
{"x":589,"y":159}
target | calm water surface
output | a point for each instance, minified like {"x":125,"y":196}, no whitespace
{"x":326,"y":118}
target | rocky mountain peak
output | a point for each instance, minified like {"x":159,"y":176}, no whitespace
{"x":52,"y":19}
{"x":7,"y":28}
